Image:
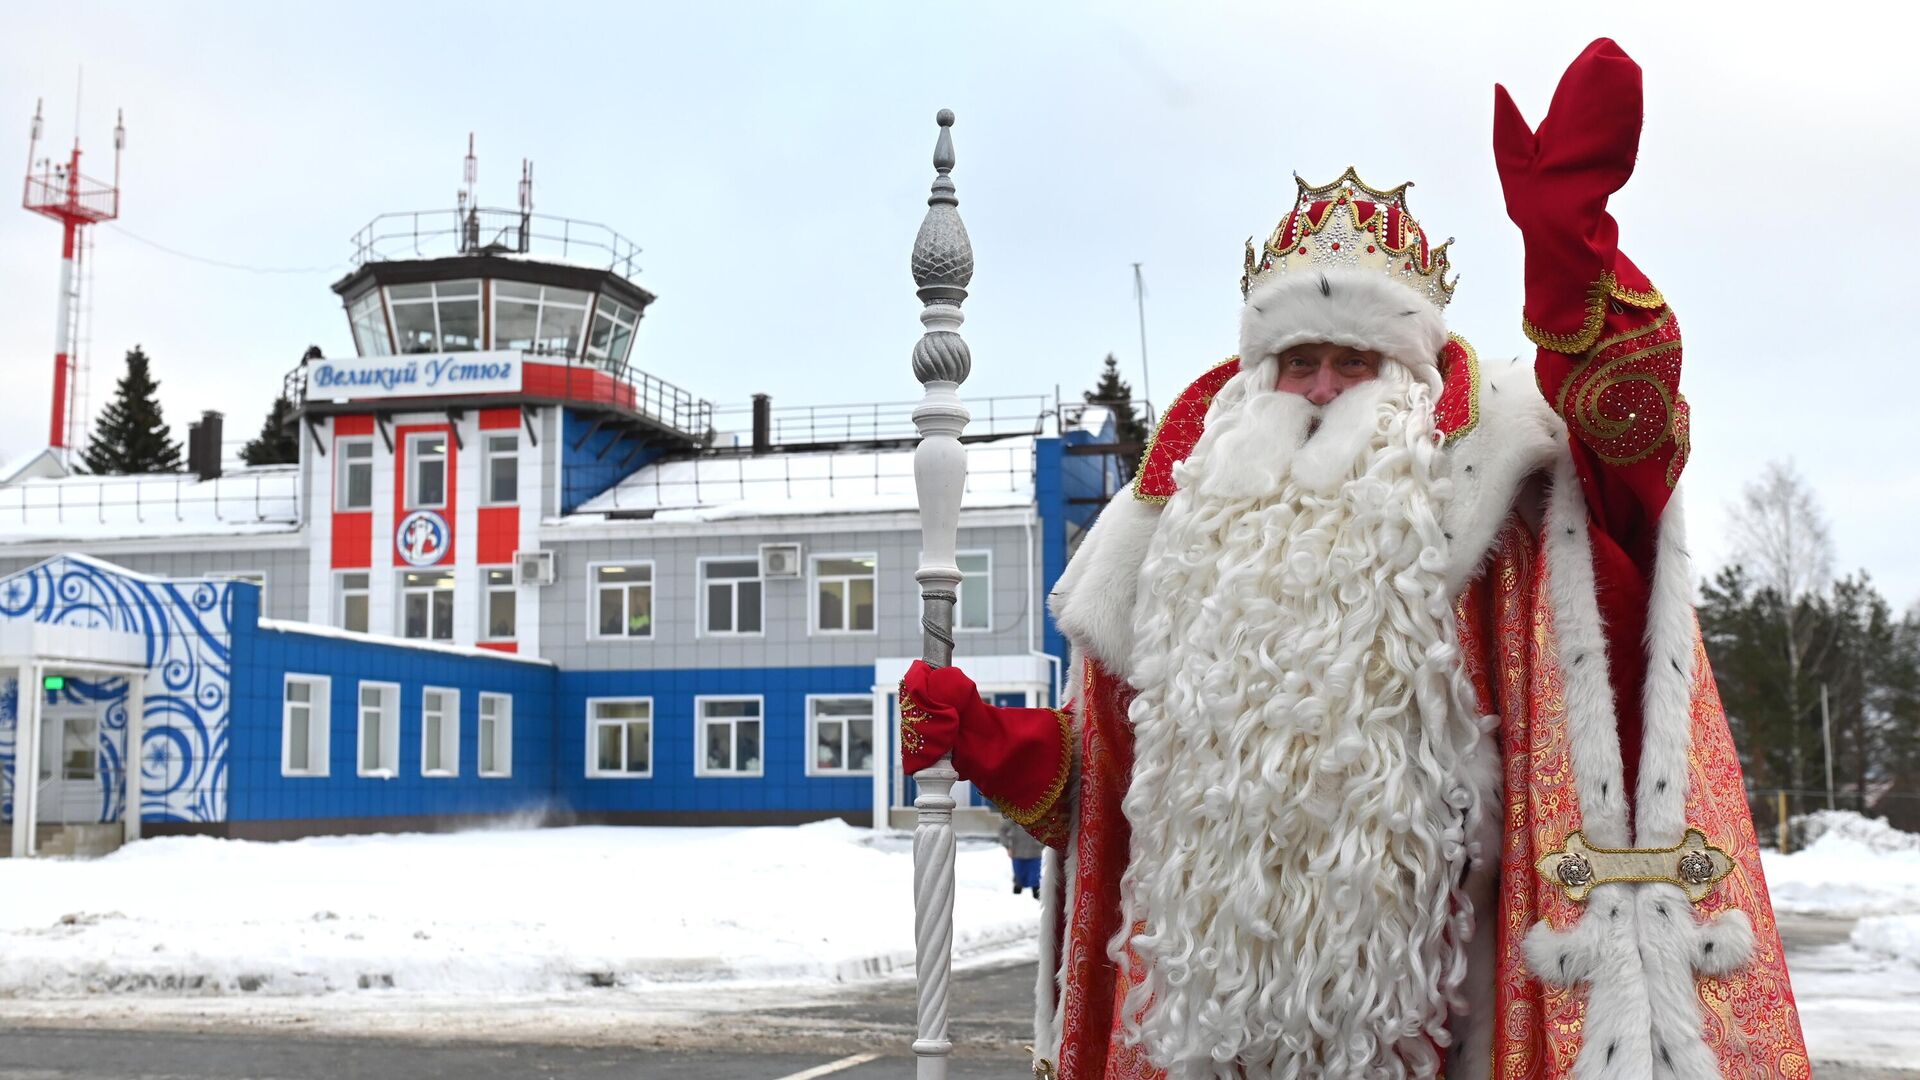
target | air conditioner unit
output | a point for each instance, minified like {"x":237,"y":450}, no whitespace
{"x":779,"y":560}
{"x":533,"y":568}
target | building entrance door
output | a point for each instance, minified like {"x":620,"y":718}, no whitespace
{"x":71,"y":787}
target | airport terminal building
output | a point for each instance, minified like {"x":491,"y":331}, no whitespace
{"x":512,"y":576}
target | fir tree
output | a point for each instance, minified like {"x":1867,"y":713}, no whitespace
{"x":278,"y":442}
{"x":1129,"y":429}
{"x":131,"y":435}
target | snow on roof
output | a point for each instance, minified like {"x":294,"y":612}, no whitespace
{"x":288,"y":626}
{"x":999,"y":474}
{"x":263,"y":499}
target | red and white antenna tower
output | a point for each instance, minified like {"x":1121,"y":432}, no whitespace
{"x":64,"y":194}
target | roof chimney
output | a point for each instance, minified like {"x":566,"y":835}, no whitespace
{"x":203,"y":446}
{"x":762,"y":423}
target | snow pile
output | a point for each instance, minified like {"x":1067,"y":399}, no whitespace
{"x":497,"y":912}
{"x":1854,"y":866}
{"x":1873,"y":833}
{"x":1895,"y":937}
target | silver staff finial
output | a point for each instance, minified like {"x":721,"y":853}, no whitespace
{"x":942,"y":268}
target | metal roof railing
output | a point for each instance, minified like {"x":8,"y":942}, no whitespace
{"x":434,"y":234}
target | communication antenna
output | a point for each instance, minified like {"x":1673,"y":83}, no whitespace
{"x":526,"y":205}
{"x":469,"y":208}
{"x":62,"y":192}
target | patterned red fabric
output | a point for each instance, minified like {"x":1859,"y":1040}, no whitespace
{"x":1508,"y":637}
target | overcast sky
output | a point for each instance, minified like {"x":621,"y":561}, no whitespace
{"x":773,"y":161}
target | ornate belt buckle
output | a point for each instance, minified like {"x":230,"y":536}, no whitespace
{"x":1693,"y":865}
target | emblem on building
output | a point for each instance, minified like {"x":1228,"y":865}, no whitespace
{"x":421,"y":538}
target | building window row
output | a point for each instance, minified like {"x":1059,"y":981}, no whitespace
{"x":731,"y":595}
{"x":729,"y":736}
{"x":426,"y":471}
{"x":621,"y":604}
{"x":305,"y":743}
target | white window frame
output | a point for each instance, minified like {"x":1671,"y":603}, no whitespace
{"x":362,"y":310}
{"x":594,"y":772}
{"x":389,"y":729}
{"x":593,"y":600}
{"x":405,"y":590}
{"x":340,"y":465}
{"x":502,"y":724}
{"x":488,"y":590}
{"x":487,"y":457}
{"x":319,"y":706}
{"x":758,"y":577}
{"x":541,"y":304}
{"x":340,"y":594}
{"x":412,"y":459}
{"x":813,"y":741}
{"x":700,"y":703}
{"x":985,"y":582}
{"x":449,"y":732}
{"x":813,"y":592}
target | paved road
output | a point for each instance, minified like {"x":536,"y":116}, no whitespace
{"x":862,"y":1031}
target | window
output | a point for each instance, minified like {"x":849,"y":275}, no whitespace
{"x":841,"y":734}
{"x":731,"y":588}
{"x":843,"y":593}
{"x":439,"y":732}
{"x":729,"y":732}
{"x":538,"y":318}
{"x":353,"y":474}
{"x":304,"y":716}
{"x":500,"y":469}
{"x":369,"y":324}
{"x":623,"y":600}
{"x":613,"y":324}
{"x":620,"y":736}
{"x":496,"y":735}
{"x":379,"y":729}
{"x":497,"y":617}
{"x":352,"y":592}
{"x":975,"y":609}
{"x":438,"y":316}
{"x":426,"y":471}
{"x":426,"y":605}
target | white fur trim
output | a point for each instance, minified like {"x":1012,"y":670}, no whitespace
{"x":1660,"y":809}
{"x":1093,"y":601}
{"x":1637,"y":947}
{"x":1046,"y":1034}
{"x":1518,"y":435}
{"x":1362,"y":309}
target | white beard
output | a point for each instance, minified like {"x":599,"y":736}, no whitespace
{"x":1302,"y":732}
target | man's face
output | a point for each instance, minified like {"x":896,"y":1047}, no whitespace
{"x":1321,"y":372}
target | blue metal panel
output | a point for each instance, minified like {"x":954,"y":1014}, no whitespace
{"x":784,"y":784}
{"x":594,"y":459}
{"x":258,"y":791}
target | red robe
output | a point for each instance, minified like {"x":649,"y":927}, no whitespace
{"x":1512,"y":651}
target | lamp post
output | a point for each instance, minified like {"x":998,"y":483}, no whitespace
{"x":942,"y":268}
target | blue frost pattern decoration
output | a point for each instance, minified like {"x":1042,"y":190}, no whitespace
{"x":189,"y":658}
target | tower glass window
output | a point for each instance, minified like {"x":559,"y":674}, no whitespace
{"x":369,"y":324}
{"x":436,"y":316}
{"x":540,"y":319}
{"x":613,"y":326}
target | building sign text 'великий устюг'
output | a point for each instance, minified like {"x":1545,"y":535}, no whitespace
{"x":360,"y":377}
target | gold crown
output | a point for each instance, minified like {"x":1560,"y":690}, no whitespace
{"x":1350,"y":223}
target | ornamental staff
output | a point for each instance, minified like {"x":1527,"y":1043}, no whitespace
{"x":942,"y":268}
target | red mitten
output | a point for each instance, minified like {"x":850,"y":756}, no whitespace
{"x":1017,"y":756}
{"x":1557,"y":180}
{"x":936,"y":705}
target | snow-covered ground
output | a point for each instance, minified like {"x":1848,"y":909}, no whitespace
{"x":485,"y":913}
{"x":495,"y":933}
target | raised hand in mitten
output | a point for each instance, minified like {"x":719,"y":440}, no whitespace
{"x":1019,"y":757}
{"x":1557,"y":179}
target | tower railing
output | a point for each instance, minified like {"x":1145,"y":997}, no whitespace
{"x":434,"y":234}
